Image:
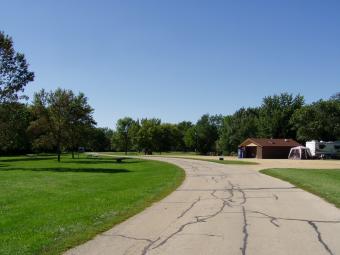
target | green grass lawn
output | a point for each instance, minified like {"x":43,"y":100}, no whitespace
{"x":135,"y":153}
{"x":47,"y":207}
{"x":321,"y":182}
{"x":186,"y":155}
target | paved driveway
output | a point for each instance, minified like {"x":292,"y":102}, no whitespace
{"x":225,"y":209}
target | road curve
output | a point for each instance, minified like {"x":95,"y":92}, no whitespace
{"x":225,"y":209}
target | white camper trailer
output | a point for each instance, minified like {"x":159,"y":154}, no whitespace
{"x":321,"y":149}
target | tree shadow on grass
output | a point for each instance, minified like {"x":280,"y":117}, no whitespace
{"x":100,"y":161}
{"x":73,"y":170}
{"x":22,"y":159}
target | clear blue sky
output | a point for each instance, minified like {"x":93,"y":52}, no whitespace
{"x":177,"y":60}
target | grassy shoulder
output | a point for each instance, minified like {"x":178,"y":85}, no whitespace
{"x":228,"y":161}
{"x":47,"y":207}
{"x":321,"y":182}
{"x":188,"y":155}
{"x":135,"y":153}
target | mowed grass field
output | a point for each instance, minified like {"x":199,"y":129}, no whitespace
{"x":321,"y":182}
{"x":47,"y":207}
{"x":187,"y":155}
{"x":169,"y":153}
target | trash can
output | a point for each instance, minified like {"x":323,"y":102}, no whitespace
{"x":240,"y":152}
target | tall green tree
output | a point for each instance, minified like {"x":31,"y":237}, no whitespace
{"x":14,"y":116}
{"x":39,"y":128}
{"x":149,"y":135}
{"x":14,"y":120}
{"x":236,"y":128}
{"x":134,"y":135}
{"x":275,"y":114}
{"x":14,"y":73}
{"x":183,"y":128}
{"x":169,"y":137}
{"x":80,"y":120}
{"x":206,"y":134}
{"x":124,"y":133}
{"x":190,"y":139}
{"x":60,"y":118}
{"x":116,"y":142}
{"x":318,"y":121}
{"x":52,"y":119}
{"x":224,"y":145}
{"x":98,"y":139}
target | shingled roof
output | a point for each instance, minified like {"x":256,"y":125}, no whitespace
{"x":265,"y":142}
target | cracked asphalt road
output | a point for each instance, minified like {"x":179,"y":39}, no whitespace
{"x":225,"y":209}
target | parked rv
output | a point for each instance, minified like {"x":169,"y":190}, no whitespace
{"x":321,"y":149}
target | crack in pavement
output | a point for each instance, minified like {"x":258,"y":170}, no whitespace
{"x":245,"y":232}
{"x":310,"y":222}
{"x":189,"y":208}
{"x":234,"y":196}
{"x":273,"y":219}
{"x":213,"y":194}
{"x":214,"y":179}
{"x":295,"y":219}
{"x":258,"y":197}
{"x":315,"y":227}
{"x":197,"y":234}
{"x":224,"y":199}
{"x":145,"y":249}
{"x":201,"y":218}
{"x":237,"y":197}
{"x":231,"y":191}
{"x":244,"y":189}
{"x":237,"y":188}
{"x":204,"y":218}
{"x":175,"y":233}
{"x":244,"y":198}
{"x":129,"y":237}
{"x":198,"y":219}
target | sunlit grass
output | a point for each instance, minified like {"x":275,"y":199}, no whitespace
{"x":321,"y":182}
{"x":47,"y":207}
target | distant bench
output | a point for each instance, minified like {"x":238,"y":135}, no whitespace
{"x":31,"y":155}
{"x":96,"y":155}
{"x":119,"y":160}
{"x":92,"y":155}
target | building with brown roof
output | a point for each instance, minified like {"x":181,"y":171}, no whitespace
{"x":266,"y":148}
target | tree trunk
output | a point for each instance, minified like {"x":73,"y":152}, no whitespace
{"x":126,"y":145}
{"x":58,"y":152}
{"x":73,"y":145}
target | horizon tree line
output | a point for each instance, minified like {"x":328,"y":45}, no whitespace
{"x":59,"y":121}
{"x":55,"y":121}
{"x":279,"y":116}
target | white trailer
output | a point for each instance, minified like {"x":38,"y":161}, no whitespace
{"x":321,"y":149}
